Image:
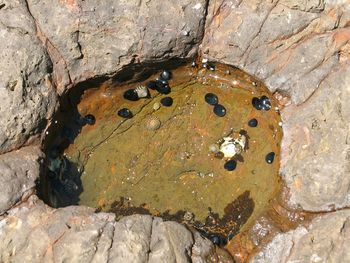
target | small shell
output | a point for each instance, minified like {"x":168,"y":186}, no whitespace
{"x":214,"y":148}
{"x":153,"y":123}
{"x":156,"y":106}
{"x":142,"y":92}
{"x":188,"y":216}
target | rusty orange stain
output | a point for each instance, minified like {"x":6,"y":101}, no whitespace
{"x":101,"y":202}
{"x":297,"y":183}
{"x":113,"y":169}
{"x":341,"y":37}
{"x":72,"y":4}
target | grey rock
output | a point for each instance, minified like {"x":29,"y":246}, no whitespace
{"x":34,"y":232}
{"x":131,"y":241}
{"x":298,"y":48}
{"x":86,"y":39}
{"x":19,"y":171}
{"x":170,"y":242}
{"x":278,"y":249}
{"x":315,"y":148}
{"x":202,"y":249}
{"x":325,"y":240}
{"x":307,"y":6}
{"x":27,"y":96}
{"x":291,"y":45}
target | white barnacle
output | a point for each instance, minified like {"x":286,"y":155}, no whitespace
{"x":232,"y":147}
{"x":142,"y":92}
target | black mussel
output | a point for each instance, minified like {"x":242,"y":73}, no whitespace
{"x":210,"y":66}
{"x":90,"y":119}
{"x":230,"y":165}
{"x":152,"y":84}
{"x":219,"y":110}
{"x":253,"y":123}
{"x":70,"y":186}
{"x":163,"y":89}
{"x":165,"y":75}
{"x":217,"y":239}
{"x":265,"y":103}
{"x":162,"y":81}
{"x":211,"y":99}
{"x":243,"y":132}
{"x":256,"y":103}
{"x":167,"y":101}
{"x":125,"y":113}
{"x":131,"y":94}
{"x":270,"y":157}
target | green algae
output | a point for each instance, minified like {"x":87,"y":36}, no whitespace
{"x":171,"y":169}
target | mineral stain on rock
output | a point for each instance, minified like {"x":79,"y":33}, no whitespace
{"x":159,"y":161}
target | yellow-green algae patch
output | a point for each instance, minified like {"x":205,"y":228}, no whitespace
{"x":171,"y":169}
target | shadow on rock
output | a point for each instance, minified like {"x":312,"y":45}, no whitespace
{"x":63,"y":185}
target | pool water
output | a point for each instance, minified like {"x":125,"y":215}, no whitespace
{"x":162,"y":161}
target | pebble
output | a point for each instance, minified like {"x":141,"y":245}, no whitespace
{"x":153,"y":123}
{"x":230,"y":165}
{"x":156,"y":106}
{"x":167,"y":101}
{"x":211,"y":99}
{"x":125,"y":113}
{"x":253,"y":123}
{"x":270,"y":157}
{"x":219,"y":110}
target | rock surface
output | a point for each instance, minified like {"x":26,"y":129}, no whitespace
{"x":19,"y":171}
{"x":291,"y":45}
{"x":27,"y":96}
{"x":316,"y":151}
{"x":299,"y":48}
{"x":325,"y":240}
{"x":86,"y":40}
{"x":36,"y":233}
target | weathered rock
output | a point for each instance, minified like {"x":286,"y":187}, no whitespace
{"x":298,"y":47}
{"x":27,"y":97}
{"x":37,"y":233}
{"x":86,"y":40}
{"x":291,"y":45}
{"x":19,"y":171}
{"x":132,"y":238}
{"x":325,"y":240}
{"x":203,"y":251}
{"x":170,"y":242}
{"x":315,"y":149}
